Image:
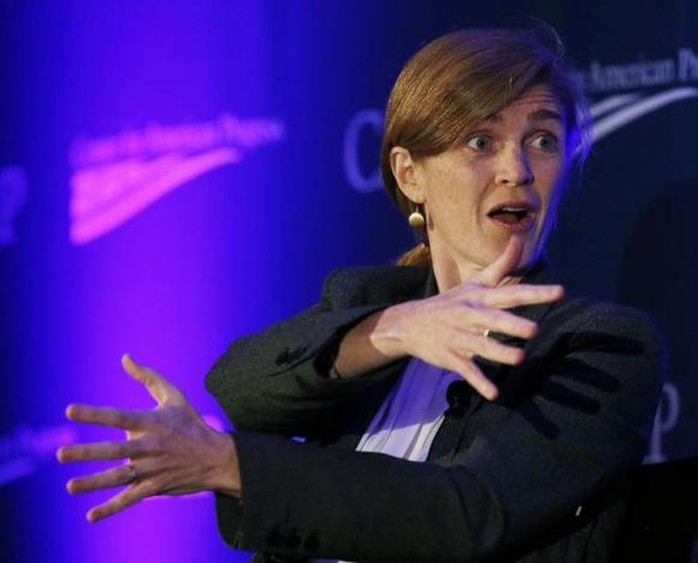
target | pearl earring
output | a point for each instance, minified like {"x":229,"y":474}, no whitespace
{"x":416,"y":219}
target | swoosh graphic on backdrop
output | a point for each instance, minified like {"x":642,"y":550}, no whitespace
{"x":107,"y":195}
{"x":604,"y":106}
{"x":636,"y":110}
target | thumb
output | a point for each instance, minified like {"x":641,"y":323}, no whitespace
{"x":504,"y":264}
{"x":133,"y":368}
{"x":159,"y":388}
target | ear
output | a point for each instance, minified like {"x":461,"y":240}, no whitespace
{"x":407,"y":174}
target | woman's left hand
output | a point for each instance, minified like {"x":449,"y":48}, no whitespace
{"x":170,"y":449}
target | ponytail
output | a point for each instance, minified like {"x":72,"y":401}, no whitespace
{"x":417,"y":256}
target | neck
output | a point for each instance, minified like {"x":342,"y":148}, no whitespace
{"x":449,"y":272}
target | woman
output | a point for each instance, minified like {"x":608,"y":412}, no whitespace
{"x":527,"y":410}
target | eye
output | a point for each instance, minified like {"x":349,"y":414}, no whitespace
{"x":479,"y":143}
{"x":546,"y":142}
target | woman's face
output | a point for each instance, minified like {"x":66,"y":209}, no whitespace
{"x":504,"y":180}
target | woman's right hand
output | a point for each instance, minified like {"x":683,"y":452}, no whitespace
{"x":449,"y":329}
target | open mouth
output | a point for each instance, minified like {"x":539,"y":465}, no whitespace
{"x":514,"y":216}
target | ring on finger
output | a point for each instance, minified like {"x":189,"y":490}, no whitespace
{"x":131,"y":474}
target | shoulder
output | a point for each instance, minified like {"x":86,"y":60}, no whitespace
{"x":587,"y":332}
{"x":584,"y":314}
{"x":600,"y":358}
{"x":367,"y":285}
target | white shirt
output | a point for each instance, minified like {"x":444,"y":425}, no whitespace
{"x":410,"y":416}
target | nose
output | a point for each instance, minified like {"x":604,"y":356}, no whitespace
{"x":513,"y":168}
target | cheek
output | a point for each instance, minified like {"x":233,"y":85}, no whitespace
{"x":453,"y":208}
{"x":451,"y":190}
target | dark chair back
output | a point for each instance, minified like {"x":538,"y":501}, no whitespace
{"x":662,"y":523}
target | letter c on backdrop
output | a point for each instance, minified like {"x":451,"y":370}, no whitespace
{"x":357,"y":179}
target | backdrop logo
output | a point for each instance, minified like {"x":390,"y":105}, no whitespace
{"x":609,"y":113}
{"x":26,"y":448}
{"x":13,"y":194}
{"x":665,"y":421}
{"x":618,"y":110}
{"x":599,"y":78}
{"x":116,"y":177}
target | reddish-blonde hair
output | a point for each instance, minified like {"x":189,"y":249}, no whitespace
{"x":455,"y":82}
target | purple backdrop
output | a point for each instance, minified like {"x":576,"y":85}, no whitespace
{"x":174,"y":175}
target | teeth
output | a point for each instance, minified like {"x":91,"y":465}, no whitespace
{"x":513,"y":209}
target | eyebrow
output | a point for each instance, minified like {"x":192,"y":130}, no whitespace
{"x":543,"y":115}
{"x":536,"y":116}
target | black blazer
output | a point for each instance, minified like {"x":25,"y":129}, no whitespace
{"x":539,"y":475}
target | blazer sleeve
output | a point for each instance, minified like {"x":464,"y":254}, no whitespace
{"x":275,"y":381}
{"x":527,"y":465}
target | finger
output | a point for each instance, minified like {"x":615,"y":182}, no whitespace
{"x":121,"y":501}
{"x":474,"y":376}
{"x":107,"y":416}
{"x":114,"y":477}
{"x":521,"y":294}
{"x":500,"y":321}
{"x":99,"y":450}
{"x":159,"y":388}
{"x":504,"y":264}
{"x":490,"y":349}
